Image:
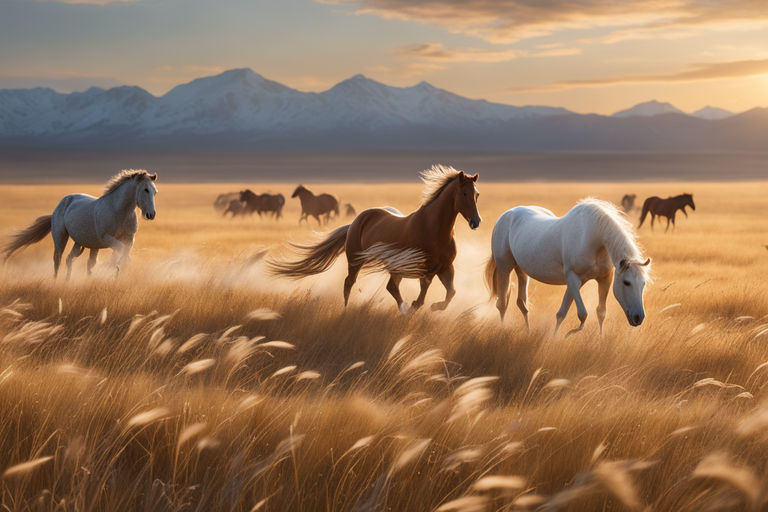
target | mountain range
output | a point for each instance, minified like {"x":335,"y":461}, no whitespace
{"x":241,"y":109}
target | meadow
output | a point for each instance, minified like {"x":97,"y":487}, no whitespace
{"x":195,"y":381}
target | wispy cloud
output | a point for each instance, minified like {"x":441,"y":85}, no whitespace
{"x":698,"y":72}
{"x":439,"y":53}
{"x":507,"y":21}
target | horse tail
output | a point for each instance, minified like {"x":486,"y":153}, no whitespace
{"x":33,"y":234}
{"x":316,"y":258}
{"x":646,"y":209}
{"x":490,"y":276}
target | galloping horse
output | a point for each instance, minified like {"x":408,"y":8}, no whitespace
{"x":666,"y":208}
{"x":418,"y":246}
{"x":315,"y":206}
{"x":269,"y":203}
{"x":350,"y":210}
{"x":223,"y":201}
{"x":591,"y":241}
{"x":94,"y":223}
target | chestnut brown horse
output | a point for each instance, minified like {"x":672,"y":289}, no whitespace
{"x":315,"y":206}
{"x":419,"y":245}
{"x":666,"y":208}
{"x":262,"y":203}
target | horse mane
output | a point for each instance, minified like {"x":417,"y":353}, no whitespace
{"x":121,"y":177}
{"x":435,"y":179}
{"x":620,"y":237}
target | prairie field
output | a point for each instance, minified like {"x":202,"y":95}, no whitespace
{"x":195,"y":381}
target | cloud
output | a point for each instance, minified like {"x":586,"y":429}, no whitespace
{"x":438,"y":53}
{"x":508,"y":21}
{"x":699,"y":72}
{"x":90,"y":2}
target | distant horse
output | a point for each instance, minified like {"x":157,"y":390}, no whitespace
{"x":236,"y":208}
{"x":591,"y":241}
{"x":315,"y":206}
{"x":666,"y":208}
{"x":263,"y":203}
{"x":350,"y":210}
{"x":94,"y":223}
{"x":628,"y":202}
{"x":224,"y":200}
{"x":419,"y":245}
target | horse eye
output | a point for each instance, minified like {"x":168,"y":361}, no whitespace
{"x":627,"y":283}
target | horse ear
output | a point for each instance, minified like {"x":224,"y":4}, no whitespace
{"x":153,"y":177}
{"x":646,"y":263}
{"x":474,"y":178}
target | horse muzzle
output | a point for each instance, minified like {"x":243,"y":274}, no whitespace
{"x":149,"y":215}
{"x":635,"y":319}
{"x":474,"y":222}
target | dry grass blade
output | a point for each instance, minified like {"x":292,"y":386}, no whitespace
{"x":499,"y":482}
{"x":398,"y":346}
{"x":191,"y":343}
{"x":189,"y":432}
{"x":197,"y":366}
{"x":103,"y":317}
{"x":461,"y":456}
{"x":465,"y":504}
{"x":718,"y":466}
{"x":262,"y":314}
{"x":148,"y":417}
{"x":308,"y":375}
{"x":278,"y":344}
{"x":284,"y":370}
{"x":616,"y":479}
{"x":25,"y":467}
{"x":557,"y":384}
{"x":410,"y":454}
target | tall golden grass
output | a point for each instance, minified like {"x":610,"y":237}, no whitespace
{"x":197,"y":382}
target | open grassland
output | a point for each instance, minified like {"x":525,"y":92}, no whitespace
{"x":196,"y":382}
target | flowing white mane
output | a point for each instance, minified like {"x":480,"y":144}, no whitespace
{"x":620,"y":237}
{"x":435,"y":179}
{"x":124,"y":175}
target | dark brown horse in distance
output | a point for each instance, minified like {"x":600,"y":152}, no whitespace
{"x":315,"y":205}
{"x":350,"y":210}
{"x":666,"y":208}
{"x":263,"y":203}
{"x":628,"y":202}
{"x":419,"y":246}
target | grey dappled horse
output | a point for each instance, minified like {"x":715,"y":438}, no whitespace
{"x":106,"y":222}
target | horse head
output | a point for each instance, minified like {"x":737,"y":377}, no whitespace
{"x":466,"y":199}
{"x":145,"y":194}
{"x":628,"y":284}
{"x":688,"y":201}
{"x":298,"y":191}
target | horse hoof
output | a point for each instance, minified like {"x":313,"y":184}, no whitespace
{"x":404,"y":309}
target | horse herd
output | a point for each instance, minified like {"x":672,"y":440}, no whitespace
{"x":592,"y":241}
{"x":246,"y":202}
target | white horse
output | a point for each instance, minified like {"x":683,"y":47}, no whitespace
{"x":94,"y":223}
{"x":588,"y":242}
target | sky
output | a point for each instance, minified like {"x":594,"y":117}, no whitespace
{"x":587,"y":55}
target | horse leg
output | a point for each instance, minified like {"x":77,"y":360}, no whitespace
{"x":120,"y":251}
{"x":424,"y":282}
{"x":653,"y":218}
{"x":446,"y":277}
{"x":317,"y":218}
{"x":667,"y":228}
{"x":76,"y":251}
{"x":92,"y":260}
{"x":603,"y":285}
{"x":564,"y":307}
{"x":60,"y":239}
{"x":574,"y":285}
{"x":349,"y":281}
{"x":393,"y":287}
{"x":502,"y":288}
{"x":522,"y":295}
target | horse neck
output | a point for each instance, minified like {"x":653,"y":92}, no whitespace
{"x":617,"y":242}
{"x":123,"y":199}
{"x":440,"y":213}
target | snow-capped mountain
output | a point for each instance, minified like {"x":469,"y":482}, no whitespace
{"x":649,"y":109}
{"x":712,"y":113}
{"x":241,"y":101}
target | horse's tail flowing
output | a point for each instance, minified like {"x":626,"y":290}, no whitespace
{"x":646,"y":209}
{"x":34,"y":233}
{"x":316,"y":258}
{"x":490,"y":276}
